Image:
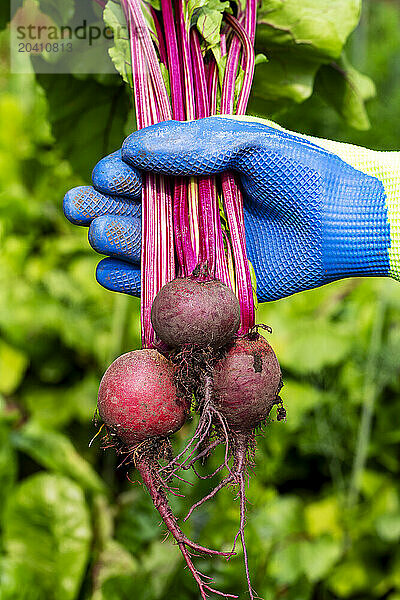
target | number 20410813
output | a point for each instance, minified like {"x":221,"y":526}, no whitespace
{"x":49,"y":47}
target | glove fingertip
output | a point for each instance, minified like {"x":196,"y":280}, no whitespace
{"x":118,"y":276}
{"x":72,"y":205}
{"x":117,"y":236}
{"x":97,"y":232}
{"x":113,"y":176}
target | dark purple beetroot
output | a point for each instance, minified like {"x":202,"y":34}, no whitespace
{"x":237,"y":400}
{"x":246,"y":383}
{"x":138,"y":398}
{"x":188,"y":311}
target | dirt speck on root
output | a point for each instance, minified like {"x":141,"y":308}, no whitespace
{"x":257,"y":362}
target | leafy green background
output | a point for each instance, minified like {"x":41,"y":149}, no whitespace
{"x":324,"y":511}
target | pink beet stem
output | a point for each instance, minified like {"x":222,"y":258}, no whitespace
{"x":233,"y":200}
{"x":152,"y":105}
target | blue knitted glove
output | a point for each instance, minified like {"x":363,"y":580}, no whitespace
{"x":311,"y":217}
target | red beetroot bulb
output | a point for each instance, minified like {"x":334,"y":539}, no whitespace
{"x":138,"y":398}
{"x":138,"y":401}
{"x":237,"y":399}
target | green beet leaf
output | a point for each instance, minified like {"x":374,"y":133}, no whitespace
{"x":285,"y":78}
{"x":120,"y":53}
{"x":347,"y":90}
{"x":208,"y":19}
{"x":13,"y":364}
{"x":317,"y":30}
{"x":285,"y":565}
{"x":319,"y":556}
{"x":59,"y":12}
{"x":8,"y":463}
{"x":88,"y":119}
{"x":47,"y":537}
{"x":312,"y":345}
{"x":114,"y":562}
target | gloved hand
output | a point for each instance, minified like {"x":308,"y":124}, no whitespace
{"x":315,"y":210}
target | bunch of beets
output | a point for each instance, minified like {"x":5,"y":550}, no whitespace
{"x":201,"y":364}
{"x":201,"y":351}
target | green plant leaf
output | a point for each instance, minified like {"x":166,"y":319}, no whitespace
{"x":317,"y":30}
{"x":164,"y":561}
{"x":47,"y":13}
{"x":319,"y":556}
{"x":347,"y":90}
{"x":301,"y":590}
{"x":323,"y":517}
{"x":53,"y":406}
{"x":279,"y":517}
{"x":284,"y":79}
{"x":349,"y":578}
{"x":388,"y":526}
{"x":299,"y":399}
{"x":208,"y":17}
{"x":59,"y":12}
{"x":47,"y":536}
{"x":49,"y":406}
{"x":17,"y":583}
{"x":124,"y":587}
{"x":311,"y":345}
{"x":13,"y":364}
{"x":260,"y":59}
{"x":115,"y":561}
{"x":120,"y":53}
{"x":286,"y":563}
{"x":136,"y":524}
{"x":55,"y":452}
{"x":88,"y":119}
{"x":8,"y":464}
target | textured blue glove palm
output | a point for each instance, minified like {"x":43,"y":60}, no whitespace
{"x":311,"y":218}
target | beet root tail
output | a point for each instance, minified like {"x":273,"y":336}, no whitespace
{"x":242,"y":445}
{"x":148,"y":470}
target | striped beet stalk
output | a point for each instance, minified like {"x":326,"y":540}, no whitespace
{"x":181,"y":219}
{"x":152,"y":105}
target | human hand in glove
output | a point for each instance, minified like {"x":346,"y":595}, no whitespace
{"x":315,"y":210}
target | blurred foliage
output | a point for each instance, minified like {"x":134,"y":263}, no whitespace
{"x":305,"y":46}
{"x":375,"y":49}
{"x":324,"y":511}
